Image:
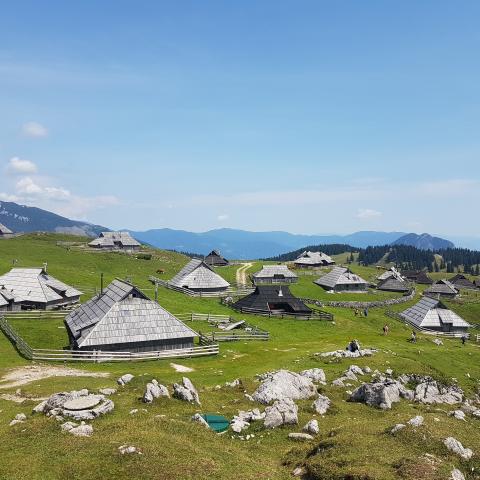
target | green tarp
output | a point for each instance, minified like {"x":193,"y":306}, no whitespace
{"x":216,"y":422}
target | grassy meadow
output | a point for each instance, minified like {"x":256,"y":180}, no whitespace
{"x":353,"y":442}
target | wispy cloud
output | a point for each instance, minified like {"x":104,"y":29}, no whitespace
{"x":34,"y":130}
{"x":20,"y":166}
{"x":367,"y":213}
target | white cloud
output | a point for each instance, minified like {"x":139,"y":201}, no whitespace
{"x":6,"y":197}
{"x":26,"y":186}
{"x":20,"y":166}
{"x":366,"y":213}
{"x":34,"y":130}
{"x":223,"y":217}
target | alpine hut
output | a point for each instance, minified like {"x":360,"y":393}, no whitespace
{"x":7,"y":301}
{"x":392,"y":281}
{"x":442,"y":288}
{"x":122,"y":318}
{"x":272,"y":299}
{"x":214,"y":259}
{"x":460,"y":282}
{"x":341,"y":279}
{"x":417,"y":276}
{"x":197,"y":276}
{"x":115,"y":241}
{"x":5,"y":232}
{"x":35,"y":288}
{"x":432,"y":314}
{"x":313,"y":260}
{"x":274,"y":274}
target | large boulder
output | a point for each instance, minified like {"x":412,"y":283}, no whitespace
{"x":321,"y":404}
{"x":186,"y":391}
{"x":380,"y":394}
{"x":282,"y":385}
{"x":154,"y":390}
{"x":124,"y":379}
{"x":456,"y":474}
{"x":456,"y":447}
{"x":312,"y":427}
{"x":365,"y":352}
{"x":316,"y":375}
{"x":431,"y":392}
{"x":282,"y":412}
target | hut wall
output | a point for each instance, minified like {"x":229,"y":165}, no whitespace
{"x":149,"y":346}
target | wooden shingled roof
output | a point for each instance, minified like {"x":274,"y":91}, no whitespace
{"x":393,"y":285}
{"x":313,"y":258}
{"x":274,"y":271}
{"x":441,"y":287}
{"x":197,"y":275}
{"x":111,"y":239}
{"x":461,"y":281}
{"x":340,"y":276}
{"x":214,"y":259}
{"x":5,"y":230}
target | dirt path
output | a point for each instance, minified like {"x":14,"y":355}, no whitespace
{"x":23,"y":375}
{"x":241,"y":275}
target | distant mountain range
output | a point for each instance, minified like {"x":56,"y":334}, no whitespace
{"x":20,"y":218}
{"x":235,"y":244}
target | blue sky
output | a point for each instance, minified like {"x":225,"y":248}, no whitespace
{"x":306,"y":116}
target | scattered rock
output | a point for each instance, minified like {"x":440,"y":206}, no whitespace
{"x":458,"y":414}
{"x":380,"y":394}
{"x":456,"y":474}
{"x":181,"y":368}
{"x":283,"y":384}
{"x":299,"y":472}
{"x":19,"y":418}
{"x":366,"y":352}
{"x":186,"y":391}
{"x":416,"y":421}
{"x":456,"y":447}
{"x":367,"y":370}
{"x":67,"y":426}
{"x":199,"y":419}
{"x":431,"y":392}
{"x":83,"y":430}
{"x":316,"y":375}
{"x":300,"y":437}
{"x":234,"y":383}
{"x":312,"y":427}
{"x":339,"y":382}
{"x":154,"y":390}
{"x":242,"y":421}
{"x":282,"y":412}
{"x":124,"y":379}
{"x":389,"y":372}
{"x":128,"y":450}
{"x":321,"y":404}
{"x":437,"y":341}
{"x":397,"y":428}
{"x":355,"y":369}
{"x":108,"y":391}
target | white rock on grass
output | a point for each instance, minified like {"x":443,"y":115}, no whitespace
{"x":199,"y":419}
{"x":283,"y":384}
{"x":128,"y":450}
{"x":233,"y":383}
{"x":456,"y":447}
{"x":458,"y":414}
{"x":437,"y":341}
{"x":19,"y":418}
{"x":67,"y":426}
{"x":186,"y":391}
{"x":389,"y":372}
{"x":282,"y":412}
{"x":300,"y":437}
{"x":124,"y":379}
{"x":154,"y":390}
{"x":416,"y":421}
{"x":355,"y":369}
{"x":108,"y":391}
{"x":430,"y":392}
{"x":476,"y":413}
{"x":456,"y":474}
{"x":381,"y":394}
{"x":316,"y":375}
{"x":321,"y":404}
{"x":312,"y":427}
{"x":397,"y":428}
{"x":83,"y":430}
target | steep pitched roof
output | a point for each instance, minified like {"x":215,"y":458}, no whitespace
{"x":35,"y":285}
{"x":418,"y":276}
{"x":461,"y":281}
{"x":265,"y":295}
{"x":133,"y":320}
{"x":214,"y":258}
{"x":393,"y":285}
{"x":111,"y":239}
{"x":432,"y":313}
{"x":313,"y":258}
{"x":274,"y":272}
{"x":6,"y":297}
{"x":197,"y":275}
{"x":4,"y":230}
{"x":442,"y":287}
{"x":340,"y":276}
{"x":391,"y":273}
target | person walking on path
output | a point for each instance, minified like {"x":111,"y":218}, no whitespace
{"x":385,"y":329}
{"x":413,"y":338}
{"x":464,"y":339}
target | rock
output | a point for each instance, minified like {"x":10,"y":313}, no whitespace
{"x":416,"y":421}
{"x":108,"y":391}
{"x":476,"y":413}
{"x":349,"y":375}
{"x":40,"y":407}
{"x":234,"y":383}
{"x":19,"y":418}
{"x":365,"y":352}
{"x":242,"y":420}
{"x":299,"y":472}
{"x":321,"y":404}
{"x":154,"y":390}
{"x":67,"y":426}
{"x":128,"y":450}
{"x":124,"y":379}
{"x":458,"y":414}
{"x":282,"y":412}
{"x":238,"y":425}
{"x":355,"y":369}
{"x":456,"y":474}
{"x":105,"y":407}
{"x":389,"y":372}
{"x":312,"y":427}
{"x":249,"y":397}
{"x":283,"y":384}
{"x":186,"y":392}
{"x":339,"y":382}
{"x":199,"y":419}
{"x":456,"y":447}
{"x":367,"y":370}
{"x":82,"y":430}
{"x":316,"y":375}
{"x":397,"y":428}
{"x":58,"y":400}
{"x":437,"y":341}
{"x":380,"y":394}
{"x":300,"y":437}
{"x":431,"y":392}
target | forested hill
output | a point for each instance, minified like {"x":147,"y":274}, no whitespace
{"x":329,"y":249}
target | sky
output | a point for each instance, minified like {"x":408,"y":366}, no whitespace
{"x":303,"y":116}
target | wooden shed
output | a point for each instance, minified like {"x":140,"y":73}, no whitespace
{"x":115,"y":241}
{"x":199,"y":277}
{"x":342,"y":279}
{"x":442,"y":288}
{"x":5,"y":232}
{"x":460,"y":282}
{"x":214,"y":259}
{"x":272,"y":274}
{"x":417,"y":276}
{"x":313,"y":260}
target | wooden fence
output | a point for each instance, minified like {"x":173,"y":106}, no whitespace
{"x":206,"y":347}
{"x":315,"y":315}
{"x":426,"y":331}
{"x":250,"y":332}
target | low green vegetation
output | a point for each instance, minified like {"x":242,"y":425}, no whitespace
{"x":353,"y":442}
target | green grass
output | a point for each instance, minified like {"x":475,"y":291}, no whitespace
{"x":352,"y":443}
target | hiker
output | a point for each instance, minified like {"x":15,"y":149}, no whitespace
{"x":357,"y":312}
{"x":385,"y":329}
{"x":413,"y":338}
{"x":365,"y":311}
{"x":464,"y":339}
{"x":353,"y":346}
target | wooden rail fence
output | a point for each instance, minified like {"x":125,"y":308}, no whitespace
{"x":315,"y":315}
{"x":250,"y":332}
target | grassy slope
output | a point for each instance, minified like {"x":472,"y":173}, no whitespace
{"x":173,"y":447}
